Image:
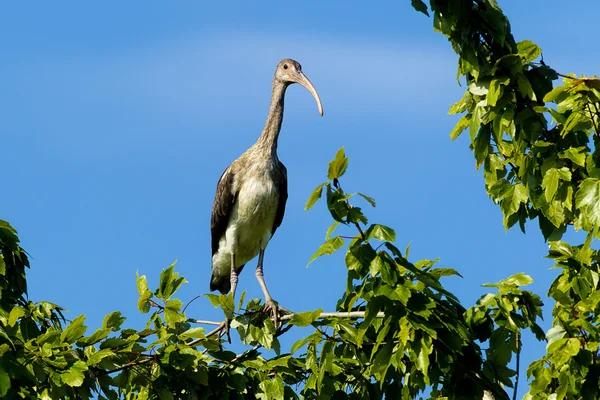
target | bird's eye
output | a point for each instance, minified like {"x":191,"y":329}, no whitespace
{"x":285,"y":66}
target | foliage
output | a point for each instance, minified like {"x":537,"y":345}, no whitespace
{"x":397,"y":332}
{"x":412,"y":336}
{"x":538,"y":147}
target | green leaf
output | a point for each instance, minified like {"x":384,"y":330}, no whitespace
{"x":4,"y":382}
{"x":164,"y":393}
{"x":144,"y":301}
{"x":525,"y":87}
{"x":519,"y":279}
{"x":376,"y":265}
{"x":561,"y":350}
{"x":241,"y":300}
{"x":74,"y":331}
{"x":214,"y":299}
{"x":496,"y":90}
{"x":482,"y":145}
{"x":460,"y":126}
{"x":575,"y":154}
{"x":528,"y":50}
{"x":439,"y":272}
{"x":315,"y":195}
{"x":142,"y":284}
{"x":194,"y":333}
{"x":550,"y":183}
{"x":381,"y":363}
{"x":99,"y":355}
{"x":367,"y":198}
{"x":423,"y":349}
{"x":74,"y":376}
{"x":305,"y":318}
{"x":299,"y":344}
{"x":512,"y":199}
{"x":164,"y":287}
{"x":16,"y":313}
{"x":172,"y":315}
{"x":338,"y":166}
{"x":94,"y":338}
{"x":272,"y":388}
{"x":420,"y":6}
{"x":588,"y":200}
{"x":475,"y":122}
{"x":327,"y":248}
{"x":380,"y":232}
{"x":479,"y":88}
{"x":555,"y":333}
{"x":170,"y":281}
{"x":113,"y":321}
{"x":554,"y":94}
{"x":331,"y":229}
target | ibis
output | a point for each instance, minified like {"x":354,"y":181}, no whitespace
{"x":251,"y":196}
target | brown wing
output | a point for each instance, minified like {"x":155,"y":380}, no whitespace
{"x":221,"y":210}
{"x":281,"y":182}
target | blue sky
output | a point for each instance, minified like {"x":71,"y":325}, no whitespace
{"x":118,"y":119}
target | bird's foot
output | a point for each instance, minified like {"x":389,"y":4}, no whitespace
{"x":225,"y":330}
{"x":272,"y":307}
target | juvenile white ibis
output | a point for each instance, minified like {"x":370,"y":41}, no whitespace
{"x":251,"y":196}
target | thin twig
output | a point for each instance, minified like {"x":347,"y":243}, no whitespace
{"x":203,"y":321}
{"x":592,"y":118}
{"x":155,"y":304}
{"x":518,"y":365}
{"x":362,"y":234}
{"x":190,"y":302}
{"x":565,"y":76}
{"x":584,"y":79}
{"x":128,"y":365}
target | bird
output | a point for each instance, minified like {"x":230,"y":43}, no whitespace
{"x":251,"y":196}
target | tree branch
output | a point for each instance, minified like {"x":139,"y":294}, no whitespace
{"x":518,"y":365}
{"x":221,"y":326}
{"x":203,"y":321}
{"x":341,"y":314}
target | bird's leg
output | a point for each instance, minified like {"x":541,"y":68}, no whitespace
{"x":233,"y":276}
{"x":270,"y":304}
{"x":234,"y":280}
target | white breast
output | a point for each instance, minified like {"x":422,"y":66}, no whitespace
{"x":250,"y":224}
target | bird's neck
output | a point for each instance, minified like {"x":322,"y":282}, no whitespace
{"x":268,"y":139}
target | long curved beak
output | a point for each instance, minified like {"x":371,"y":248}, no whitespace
{"x":304,"y":81}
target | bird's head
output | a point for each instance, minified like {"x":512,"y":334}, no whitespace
{"x":289,"y":71}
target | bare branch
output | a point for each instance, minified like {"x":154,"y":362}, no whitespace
{"x":341,"y":314}
{"x":203,"y":321}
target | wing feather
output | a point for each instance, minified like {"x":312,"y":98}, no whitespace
{"x":283,"y":195}
{"x":221,"y":211}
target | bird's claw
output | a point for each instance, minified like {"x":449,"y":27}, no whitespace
{"x":225,"y":330}
{"x":272,"y":307}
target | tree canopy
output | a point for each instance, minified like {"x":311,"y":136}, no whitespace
{"x":397,"y":332}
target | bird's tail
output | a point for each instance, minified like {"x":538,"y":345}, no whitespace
{"x":222,"y":283}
